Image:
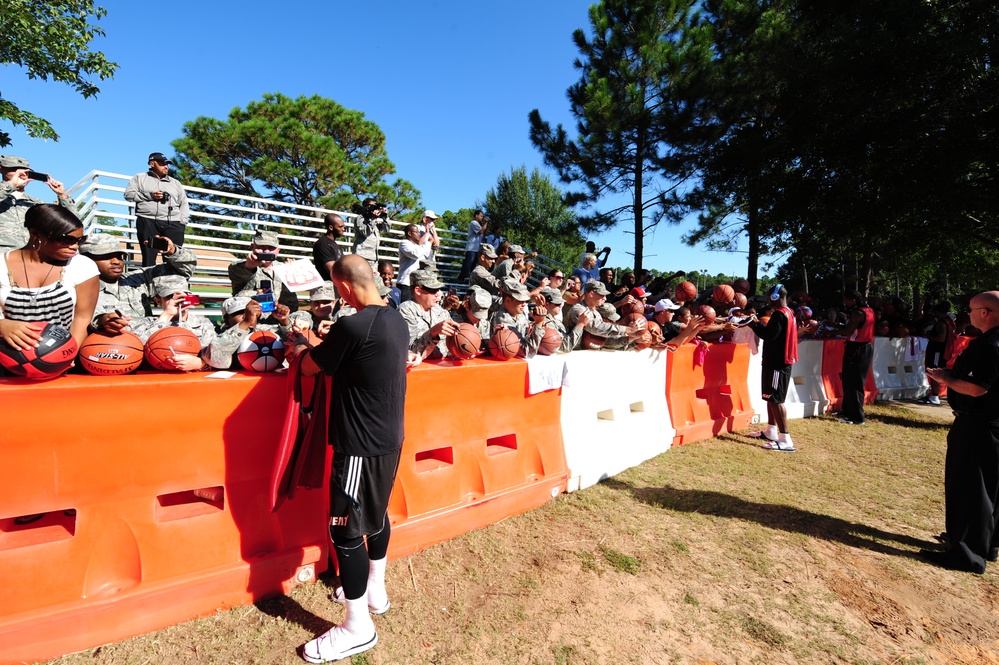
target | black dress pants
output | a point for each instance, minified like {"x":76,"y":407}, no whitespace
{"x":857,"y":358}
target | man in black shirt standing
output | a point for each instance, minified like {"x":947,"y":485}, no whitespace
{"x":971,"y":469}
{"x":366,"y":355}
{"x":326,"y":251}
{"x":780,"y":352}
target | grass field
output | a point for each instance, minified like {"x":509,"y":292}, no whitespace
{"x":715,"y":552}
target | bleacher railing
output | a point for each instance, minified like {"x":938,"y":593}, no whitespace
{"x":222,"y":225}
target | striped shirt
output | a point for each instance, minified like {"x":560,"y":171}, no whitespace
{"x":53,"y":303}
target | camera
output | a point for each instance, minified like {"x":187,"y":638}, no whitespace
{"x":192,"y":300}
{"x":166,"y":197}
{"x":266,"y":301}
{"x":266,"y":256}
{"x":35,"y":175}
{"x":534,"y":309}
{"x":159,"y":244}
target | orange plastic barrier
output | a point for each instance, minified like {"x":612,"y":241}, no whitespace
{"x":709,"y":399}
{"x":478,"y":449}
{"x":153,"y":489}
{"x":832,"y":375}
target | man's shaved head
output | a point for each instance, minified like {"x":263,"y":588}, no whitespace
{"x":353,"y":269}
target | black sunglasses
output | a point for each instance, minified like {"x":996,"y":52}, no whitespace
{"x":68,"y":240}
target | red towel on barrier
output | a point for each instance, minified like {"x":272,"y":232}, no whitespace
{"x":301,"y":458}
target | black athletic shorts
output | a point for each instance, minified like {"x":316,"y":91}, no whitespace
{"x":774,"y":383}
{"x":359,"y":494}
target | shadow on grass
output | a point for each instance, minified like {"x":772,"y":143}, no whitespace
{"x":285,"y":607}
{"x":899,"y":421}
{"x":784,"y":518}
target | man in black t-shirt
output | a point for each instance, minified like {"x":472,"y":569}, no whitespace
{"x":780,"y":352}
{"x":325,"y":251}
{"x":366,"y":354}
{"x":971,"y":469}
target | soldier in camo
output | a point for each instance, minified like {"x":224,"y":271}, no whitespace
{"x":482,"y":275}
{"x":554,"y":319}
{"x":126,"y":296}
{"x":14,"y":201}
{"x":170,"y":291}
{"x":241,"y":317}
{"x":253,"y":272}
{"x":595,"y":295}
{"x":475,"y":310}
{"x":322,"y":303}
{"x":429,"y":323}
{"x":513,"y":316}
{"x":508,"y":268}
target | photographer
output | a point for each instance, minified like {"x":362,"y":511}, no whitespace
{"x":174,"y":295}
{"x":160,"y":206}
{"x":257,"y":274}
{"x":368,"y":227}
{"x":14,"y":201}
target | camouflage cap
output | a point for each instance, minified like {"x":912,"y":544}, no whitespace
{"x":426,"y":279}
{"x":516,"y":290}
{"x":479,"y":299}
{"x":235,"y":304}
{"x":102,"y":244}
{"x":595,"y":286}
{"x":264,"y":238}
{"x":381,"y":288}
{"x":167,"y":285}
{"x":12,"y":162}
{"x":608,"y":312}
{"x":552,"y":296}
{"x":326,"y":291}
{"x":488,"y":250}
{"x":516,"y":249}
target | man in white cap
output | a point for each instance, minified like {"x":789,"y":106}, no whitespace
{"x":161,"y":207}
{"x":665,"y":310}
{"x":428,"y":322}
{"x":413,"y":249}
{"x":430,"y":227}
{"x":14,"y":201}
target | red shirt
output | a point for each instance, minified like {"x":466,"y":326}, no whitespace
{"x":865,"y":331}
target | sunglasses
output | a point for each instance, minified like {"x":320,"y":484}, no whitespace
{"x":69,"y":241}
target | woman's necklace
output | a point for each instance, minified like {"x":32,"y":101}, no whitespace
{"x":27,"y":282}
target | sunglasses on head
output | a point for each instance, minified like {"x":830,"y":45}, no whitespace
{"x":69,"y":240}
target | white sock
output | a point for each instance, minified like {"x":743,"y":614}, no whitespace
{"x":377,"y":594}
{"x":358,"y":621}
{"x":771,"y":432}
{"x":785,"y":438}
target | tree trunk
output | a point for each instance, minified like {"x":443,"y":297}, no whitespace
{"x":637,"y":202}
{"x":753,"y":231}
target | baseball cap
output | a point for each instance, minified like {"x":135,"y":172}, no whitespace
{"x":666,"y":305}
{"x":552,"y":296}
{"x":12,"y":162}
{"x":516,"y":249}
{"x":595,"y":286}
{"x":381,"y":288}
{"x":431,"y":214}
{"x":324,"y":291}
{"x":265,"y":239}
{"x":167,"y":285}
{"x":488,"y":250}
{"x":102,"y":244}
{"x":426,"y":279}
{"x":608,"y":312}
{"x":638,"y":292}
{"x":516,"y":290}
{"x":479,"y":299}
{"x":158,"y":157}
{"x":235,"y":304}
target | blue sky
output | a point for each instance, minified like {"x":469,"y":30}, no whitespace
{"x":449,"y":83}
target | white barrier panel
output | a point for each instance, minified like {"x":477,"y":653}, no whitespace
{"x":614,"y":413}
{"x":748,"y":337}
{"x":912,"y":367}
{"x":886,"y":368}
{"x":806,"y":395}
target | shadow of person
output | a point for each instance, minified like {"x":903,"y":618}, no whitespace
{"x":899,"y":421}
{"x":780,"y":517}
{"x":285,"y":607}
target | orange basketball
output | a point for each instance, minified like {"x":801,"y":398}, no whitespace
{"x":723,"y":294}
{"x":591,"y":341}
{"x":740,"y":299}
{"x":261,"y":351}
{"x":685,"y":292}
{"x":162,"y":345}
{"x":504,"y":344}
{"x":550,"y":343}
{"x":643,"y":341}
{"x":107,"y":355}
{"x":656,"y":331}
{"x":466,"y":343}
{"x":628,"y":319}
{"x":637,"y":307}
{"x":741,"y":285}
{"x":708,"y":312}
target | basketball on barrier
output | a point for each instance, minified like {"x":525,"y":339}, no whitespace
{"x":54,"y":354}
{"x":656,"y":331}
{"x":163,"y":344}
{"x":591,"y":341}
{"x":550,"y":343}
{"x":504,"y":344}
{"x":466,"y":343}
{"x":723,"y":294}
{"x":261,"y":351}
{"x":685,"y":291}
{"x":708,"y":312}
{"x":110,"y":355}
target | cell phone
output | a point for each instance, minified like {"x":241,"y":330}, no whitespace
{"x":265,"y":284}
{"x":266,"y":256}
{"x":159,"y":244}
{"x":35,"y":175}
{"x":192,"y":300}
{"x":266,"y":301}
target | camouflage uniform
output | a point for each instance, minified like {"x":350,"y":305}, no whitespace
{"x":367,"y":236}
{"x":165,"y":286}
{"x":222,"y":350}
{"x":13,"y":205}
{"x":420,"y":321}
{"x":484,"y":279}
{"x":480,"y":301}
{"x":530,"y":334}
{"x":597,"y":326}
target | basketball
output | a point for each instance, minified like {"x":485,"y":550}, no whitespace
{"x":656,"y":331}
{"x":643,"y":341}
{"x":685,"y":292}
{"x":741,"y":300}
{"x":550,"y":343}
{"x":708,"y":312}
{"x":163,"y":344}
{"x":261,"y":351}
{"x":504,"y":344}
{"x":109,"y":355}
{"x":741,"y":285}
{"x":723,"y":294}
{"x":465,"y":343}
{"x":629,"y":319}
{"x":54,"y":354}
{"x":637,"y":307}
{"x":591,"y":341}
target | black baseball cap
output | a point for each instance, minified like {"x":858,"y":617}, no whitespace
{"x":158,"y":157}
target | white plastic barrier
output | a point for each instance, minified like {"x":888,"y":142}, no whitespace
{"x":748,"y":337}
{"x":806,"y":395}
{"x":899,"y":370}
{"x":614,"y":413}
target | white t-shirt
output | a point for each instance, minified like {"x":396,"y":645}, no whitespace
{"x":32,"y":302}
{"x":410,"y":255}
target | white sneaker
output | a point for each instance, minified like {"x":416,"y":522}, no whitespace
{"x":336,"y":644}
{"x":338,"y":597}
